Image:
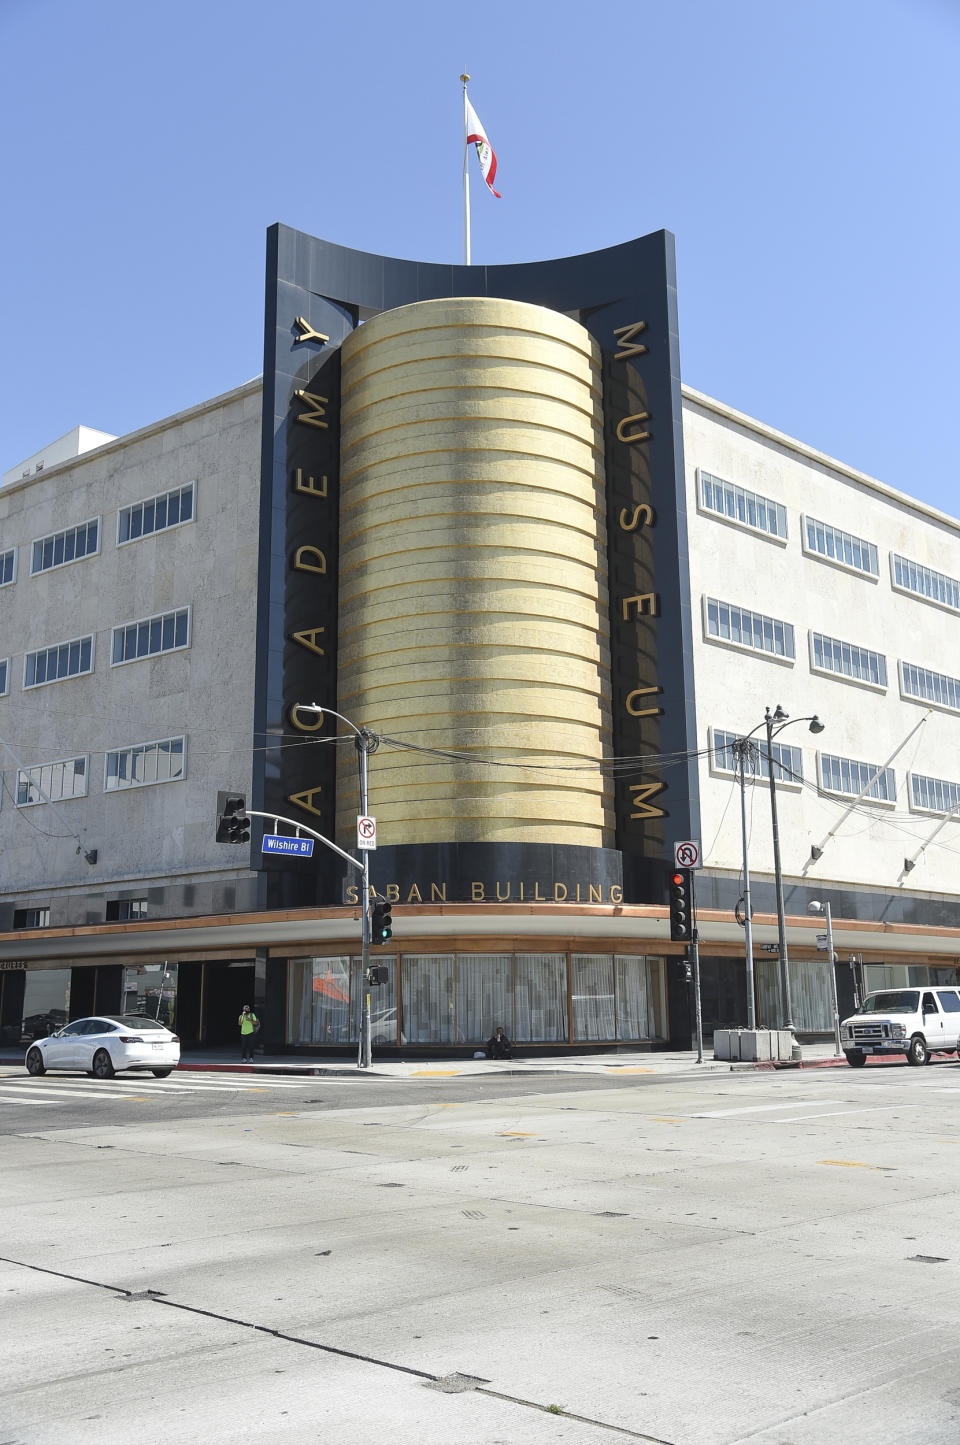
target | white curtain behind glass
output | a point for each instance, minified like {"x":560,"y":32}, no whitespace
{"x":484,"y":996}
{"x":428,"y":999}
{"x":593,"y":1008}
{"x":541,"y":998}
{"x":633,"y":1010}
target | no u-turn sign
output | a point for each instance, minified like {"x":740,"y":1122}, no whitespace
{"x":687,"y":855}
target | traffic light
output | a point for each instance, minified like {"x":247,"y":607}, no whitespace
{"x":681,"y":925}
{"x":233,"y":825}
{"x":382,"y":926}
{"x":376,"y":975}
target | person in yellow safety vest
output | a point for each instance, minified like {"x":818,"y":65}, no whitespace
{"x":249,"y":1027}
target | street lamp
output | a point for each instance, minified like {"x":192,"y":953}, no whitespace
{"x":775,"y":722}
{"x":365,"y":742}
{"x":815,"y":907}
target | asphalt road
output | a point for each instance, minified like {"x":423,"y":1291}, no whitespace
{"x":770,"y":1258}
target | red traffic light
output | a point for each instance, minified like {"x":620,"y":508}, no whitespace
{"x":678,"y":880}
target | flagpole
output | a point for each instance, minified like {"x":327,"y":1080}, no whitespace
{"x":466,"y":178}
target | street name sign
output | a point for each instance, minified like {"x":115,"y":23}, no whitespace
{"x":290,"y":847}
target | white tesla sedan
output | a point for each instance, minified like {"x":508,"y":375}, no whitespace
{"x":106,"y":1045}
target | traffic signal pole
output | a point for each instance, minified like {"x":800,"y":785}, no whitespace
{"x":695,"y":958}
{"x":366,"y":1031}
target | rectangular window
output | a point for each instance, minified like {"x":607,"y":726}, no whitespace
{"x":933,"y":795}
{"x":4,"y":677}
{"x":53,"y":664}
{"x":34,"y":918}
{"x":8,"y":567}
{"x":62,"y":547}
{"x":787,"y":760}
{"x":156,"y":514}
{"x":122,"y":910}
{"x":923,"y":582}
{"x":822,"y":540}
{"x":829,"y":654}
{"x":52,"y":782}
{"x":134,"y":767}
{"x":167,"y":632}
{"x":927,"y":686}
{"x":736,"y":625}
{"x":850,"y":779}
{"x":745,"y":509}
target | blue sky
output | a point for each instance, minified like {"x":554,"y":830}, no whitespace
{"x":805,"y":156}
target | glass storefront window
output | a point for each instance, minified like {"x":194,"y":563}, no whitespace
{"x":460,"y":999}
{"x":594,"y":1015}
{"x":429,"y":1004}
{"x":541,"y":998}
{"x":46,"y":1002}
{"x":150,"y":989}
{"x":325,"y":1000}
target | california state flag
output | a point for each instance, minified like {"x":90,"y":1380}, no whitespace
{"x":485,"y":152}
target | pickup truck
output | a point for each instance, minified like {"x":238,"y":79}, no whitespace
{"x":917,"y":1022}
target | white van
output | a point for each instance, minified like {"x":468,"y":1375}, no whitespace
{"x":918,"y":1022}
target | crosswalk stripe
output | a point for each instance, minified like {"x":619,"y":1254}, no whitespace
{"x":765,"y":1108}
{"x":44,"y":1103}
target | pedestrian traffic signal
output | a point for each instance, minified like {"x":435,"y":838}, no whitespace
{"x":382,"y":926}
{"x":680,"y":921}
{"x":685,"y":971}
{"x":233,"y":825}
{"x":376,"y":975}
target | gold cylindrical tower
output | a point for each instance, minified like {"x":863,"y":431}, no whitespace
{"x":473,"y":592}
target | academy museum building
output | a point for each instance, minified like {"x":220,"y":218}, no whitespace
{"x":470,"y":528}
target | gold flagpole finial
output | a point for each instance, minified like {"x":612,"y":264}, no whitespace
{"x":464,"y":78}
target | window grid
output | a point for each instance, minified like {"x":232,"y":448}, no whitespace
{"x":122,"y":910}
{"x":849,"y":777}
{"x":924,"y":582}
{"x":787,"y":759}
{"x":841,"y":546}
{"x":8,"y":567}
{"x":155,"y":514}
{"x":928,"y":686}
{"x":749,"y":629}
{"x":832,"y":655}
{"x":62,"y":547}
{"x":749,"y":509}
{"x":144,"y":764}
{"x":933,"y":795}
{"x":53,"y":664}
{"x":166,"y":632}
{"x":31,"y":918}
{"x":52,"y":782}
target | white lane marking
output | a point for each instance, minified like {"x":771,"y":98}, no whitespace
{"x":764,"y":1108}
{"x":867,"y":1109}
{"x":45,"y":1103}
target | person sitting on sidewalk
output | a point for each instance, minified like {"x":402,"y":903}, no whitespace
{"x":498,"y":1047}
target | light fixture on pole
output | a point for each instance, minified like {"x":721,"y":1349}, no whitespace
{"x":775,"y":722}
{"x":824,"y":908}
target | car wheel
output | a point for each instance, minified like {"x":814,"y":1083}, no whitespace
{"x":102,"y":1065}
{"x":918,"y":1053}
{"x":161,"y":1073}
{"x":35,"y":1064}
{"x":856,"y":1058}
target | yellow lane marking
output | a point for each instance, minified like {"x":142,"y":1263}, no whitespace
{"x":458,"y":1106}
{"x":849,"y":1164}
{"x":434,"y":1073}
{"x":663,"y":1119}
{"x":628,"y":1069}
{"x":514,"y":1134}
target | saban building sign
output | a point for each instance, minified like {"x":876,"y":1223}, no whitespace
{"x":625,"y":297}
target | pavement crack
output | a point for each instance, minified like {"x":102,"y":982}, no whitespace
{"x":154,"y":1297}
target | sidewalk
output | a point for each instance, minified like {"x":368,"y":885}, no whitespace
{"x":616,"y":1064}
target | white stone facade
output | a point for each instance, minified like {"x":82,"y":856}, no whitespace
{"x":159,"y":832}
{"x":781,"y":578}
